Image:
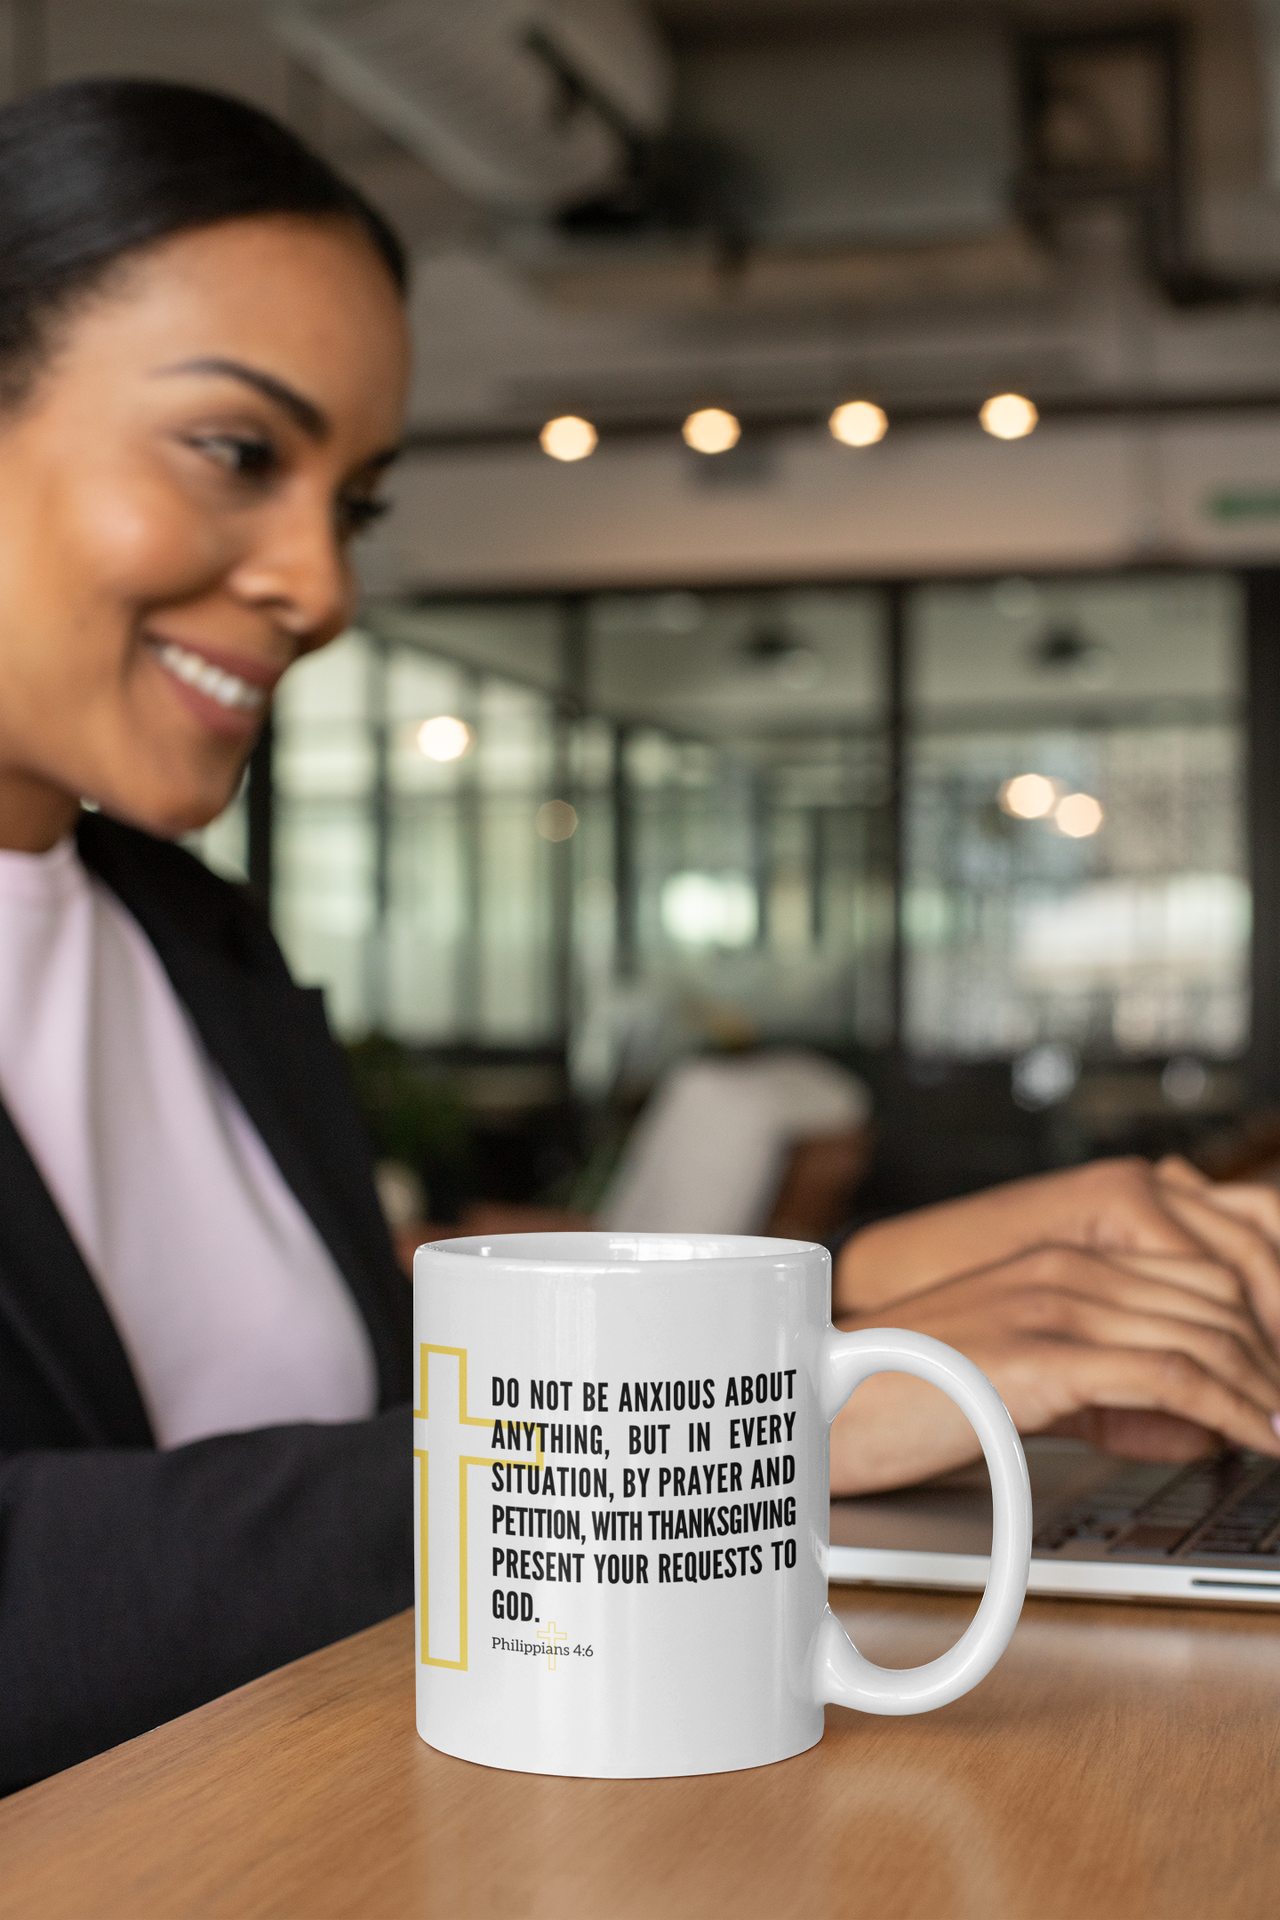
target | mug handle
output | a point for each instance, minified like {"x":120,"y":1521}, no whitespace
{"x":840,"y":1674}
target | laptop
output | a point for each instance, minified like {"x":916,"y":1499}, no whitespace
{"x":1103,"y":1529}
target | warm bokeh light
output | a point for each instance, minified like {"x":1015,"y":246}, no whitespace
{"x":1078,"y":815}
{"x":711,"y":430}
{"x":568,"y":438}
{"x":1009,"y":416}
{"x":555,"y":820}
{"x":859,"y":423}
{"x":444,"y":738}
{"x":1029,"y":796}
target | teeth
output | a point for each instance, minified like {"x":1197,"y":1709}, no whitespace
{"x":228,"y":689}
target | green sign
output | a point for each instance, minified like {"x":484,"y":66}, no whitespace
{"x":1244,"y":503}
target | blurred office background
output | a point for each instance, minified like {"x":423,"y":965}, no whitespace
{"x":686,"y":713}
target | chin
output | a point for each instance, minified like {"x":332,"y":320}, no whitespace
{"x":169,"y":814}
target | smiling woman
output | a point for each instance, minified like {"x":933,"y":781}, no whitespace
{"x":192,"y":435}
{"x":204,"y":1355}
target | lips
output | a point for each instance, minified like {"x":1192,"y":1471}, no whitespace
{"x":231,"y":691}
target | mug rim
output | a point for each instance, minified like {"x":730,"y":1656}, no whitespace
{"x":601,"y":1251}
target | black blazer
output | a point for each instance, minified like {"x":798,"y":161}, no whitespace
{"x":135,"y":1584}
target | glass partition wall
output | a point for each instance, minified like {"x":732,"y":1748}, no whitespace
{"x":754,"y":883}
{"x":981,"y":828}
{"x":677,"y":797}
{"x":1075,"y":854}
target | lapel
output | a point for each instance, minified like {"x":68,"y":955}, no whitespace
{"x":271,"y":1041}
{"x":56,"y":1314}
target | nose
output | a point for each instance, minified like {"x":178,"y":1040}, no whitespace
{"x":297,"y":571}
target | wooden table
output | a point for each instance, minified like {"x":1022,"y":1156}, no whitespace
{"x":1120,"y":1764}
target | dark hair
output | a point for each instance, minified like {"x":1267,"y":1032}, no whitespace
{"x":92,"y":170}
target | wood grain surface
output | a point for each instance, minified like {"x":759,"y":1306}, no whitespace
{"x":1120,"y":1764}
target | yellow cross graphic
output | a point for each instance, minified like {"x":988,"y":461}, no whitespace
{"x":553,"y":1637}
{"x":440,"y":1422}
{"x":439,"y":1432}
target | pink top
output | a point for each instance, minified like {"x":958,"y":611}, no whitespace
{"x":229,"y":1305}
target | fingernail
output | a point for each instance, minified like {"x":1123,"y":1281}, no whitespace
{"x":1275,"y":1424}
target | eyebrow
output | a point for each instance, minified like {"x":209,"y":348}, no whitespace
{"x":303,"y":412}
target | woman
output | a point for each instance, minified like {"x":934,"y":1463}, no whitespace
{"x":203,"y":359}
{"x":204,"y":1339}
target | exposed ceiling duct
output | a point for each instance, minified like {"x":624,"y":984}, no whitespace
{"x":862,"y":133}
{"x":857,"y":161}
{"x":525,"y":105}
{"x":788,"y":159}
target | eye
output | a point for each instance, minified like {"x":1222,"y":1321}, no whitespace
{"x":247,"y":456}
{"x":356,"y":511}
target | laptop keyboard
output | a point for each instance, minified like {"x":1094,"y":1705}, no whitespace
{"x":1228,"y":1505}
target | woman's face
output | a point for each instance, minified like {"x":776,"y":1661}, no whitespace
{"x":177,"y":495}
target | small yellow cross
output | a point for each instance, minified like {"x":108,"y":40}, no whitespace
{"x":553,"y":1637}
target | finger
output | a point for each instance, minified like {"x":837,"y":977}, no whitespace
{"x":1241,"y":1245}
{"x":1217,"y":1350}
{"x":1122,"y":1204}
{"x":1250,"y":1201}
{"x":1198,"y":1290}
{"x":1253,"y":1200}
{"x":1208,"y":1278}
{"x":1167,"y":1382}
{"x":1180,"y":1173}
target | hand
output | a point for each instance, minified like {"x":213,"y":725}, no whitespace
{"x":1155,"y":1356}
{"x":1214,"y":1211}
{"x":1122,"y":1206}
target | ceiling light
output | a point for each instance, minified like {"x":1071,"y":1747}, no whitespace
{"x":1078,"y":816}
{"x":1008,"y":416}
{"x":859,"y":423}
{"x":711,"y":430}
{"x":555,"y":820}
{"x":568,"y":438}
{"x":1029,"y":796}
{"x":444,"y":738}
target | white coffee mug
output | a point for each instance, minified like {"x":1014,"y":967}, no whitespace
{"x":623,"y":1473}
